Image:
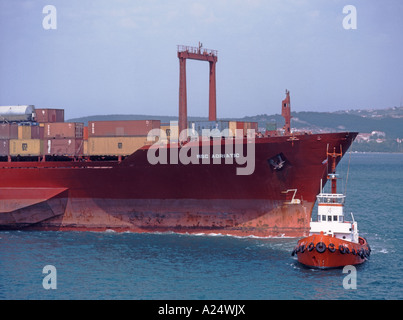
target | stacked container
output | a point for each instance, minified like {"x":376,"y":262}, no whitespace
{"x":171,"y":131}
{"x":7,"y":131}
{"x":218,"y":128}
{"x":63,"y":139}
{"x":28,"y":141}
{"x":49,"y":115}
{"x":118,"y":138}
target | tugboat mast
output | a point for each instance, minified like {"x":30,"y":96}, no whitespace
{"x":332,"y":175}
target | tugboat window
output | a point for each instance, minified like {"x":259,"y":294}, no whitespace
{"x":323,"y":218}
{"x":329,"y":218}
{"x":334,"y":218}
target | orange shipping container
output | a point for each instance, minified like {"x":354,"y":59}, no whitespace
{"x":8,"y":131}
{"x":37,"y":132}
{"x":49,"y":115}
{"x":85,"y":133}
{"x":63,"y":147}
{"x":122,"y":128}
{"x":63,"y":130}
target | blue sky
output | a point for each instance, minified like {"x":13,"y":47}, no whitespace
{"x":119,"y":56}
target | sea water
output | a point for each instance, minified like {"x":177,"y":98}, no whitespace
{"x":108,"y":265}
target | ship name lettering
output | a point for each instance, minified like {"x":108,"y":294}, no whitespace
{"x":218,"y":155}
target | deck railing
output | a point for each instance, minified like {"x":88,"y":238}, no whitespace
{"x":197,"y":50}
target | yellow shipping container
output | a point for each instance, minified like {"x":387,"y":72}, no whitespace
{"x":232,"y":128}
{"x":26,"y":147}
{"x":172,"y":132}
{"x":232,"y":125}
{"x":24,"y":132}
{"x":85,"y":148}
{"x":115,"y":146}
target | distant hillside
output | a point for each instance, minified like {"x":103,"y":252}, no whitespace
{"x":393,"y":127}
{"x":387,"y":121}
{"x":395,"y":112}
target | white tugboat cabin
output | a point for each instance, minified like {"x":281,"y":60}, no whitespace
{"x":331,"y":217}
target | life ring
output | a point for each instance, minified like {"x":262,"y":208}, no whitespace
{"x":302,"y":248}
{"x":310,"y":246}
{"x":342,"y":249}
{"x":353,"y":252}
{"x":320,"y":247}
{"x":347,"y":250}
{"x":331,"y":247}
{"x":361,"y":253}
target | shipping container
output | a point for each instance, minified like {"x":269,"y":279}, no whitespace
{"x":49,"y":115}
{"x":240,"y":125}
{"x":8,"y":131}
{"x":30,"y":132}
{"x":115,"y":146}
{"x":85,"y":133}
{"x":4,"y":147}
{"x":24,"y":132}
{"x":171,"y":131}
{"x":250,"y":126}
{"x":232,"y":128}
{"x":243,"y":126}
{"x":63,"y":147}
{"x":122,"y":128}
{"x":64,"y":130}
{"x":255,"y":126}
{"x":26,"y":147}
{"x":37,"y":132}
{"x":85,"y":147}
{"x":209,"y":128}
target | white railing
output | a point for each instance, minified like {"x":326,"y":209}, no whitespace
{"x":331,"y":198}
{"x":197,"y":50}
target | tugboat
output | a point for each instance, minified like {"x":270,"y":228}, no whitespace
{"x":332,"y":242}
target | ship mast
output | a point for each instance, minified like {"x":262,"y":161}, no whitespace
{"x":286,"y":113}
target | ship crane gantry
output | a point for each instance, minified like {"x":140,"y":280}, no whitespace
{"x":202,"y":54}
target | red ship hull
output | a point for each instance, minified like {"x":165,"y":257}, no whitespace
{"x":134,"y":195}
{"x":324,"y":251}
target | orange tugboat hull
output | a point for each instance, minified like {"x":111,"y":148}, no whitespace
{"x":324,"y":251}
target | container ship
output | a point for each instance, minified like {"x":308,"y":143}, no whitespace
{"x":123,"y":176}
